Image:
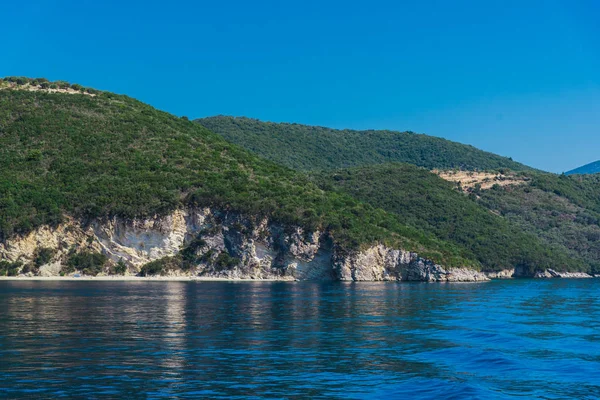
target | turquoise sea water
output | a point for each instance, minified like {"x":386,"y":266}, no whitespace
{"x":502,"y":339}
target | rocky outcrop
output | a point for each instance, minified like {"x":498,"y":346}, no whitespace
{"x":380,"y":263}
{"x":548,"y":273}
{"x":213,"y":243}
{"x":504,"y":274}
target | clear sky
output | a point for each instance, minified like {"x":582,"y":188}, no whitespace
{"x":518,"y":78}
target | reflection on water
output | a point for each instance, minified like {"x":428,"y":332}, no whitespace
{"x":213,"y":339}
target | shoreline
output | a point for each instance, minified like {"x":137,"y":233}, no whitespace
{"x":137,"y":278}
{"x":133,"y":278}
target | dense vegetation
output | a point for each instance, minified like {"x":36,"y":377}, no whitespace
{"x":8,"y":268}
{"x":562,"y":211}
{"x":306,"y":148}
{"x":550,"y":221}
{"x":592,"y":168}
{"x":427,"y":202}
{"x":97,"y":154}
{"x":103,"y":155}
{"x":89,"y":263}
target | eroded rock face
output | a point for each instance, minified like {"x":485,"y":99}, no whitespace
{"x":504,"y":274}
{"x":550,"y":273}
{"x":70,"y":235}
{"x":140,"y":241}
{"x":227,"y":245}
{"x":380,"y":263}
{"x":543,"y":274}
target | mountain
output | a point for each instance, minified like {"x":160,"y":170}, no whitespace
{"x":307,"y":148}
{"x":99,"y":183}
{"x":592,"y":168}
{"x":92,"y":180}
{"x":517,"y":217}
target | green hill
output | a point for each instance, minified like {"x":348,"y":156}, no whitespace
{"x":425,"y":201}
{"x":309,"y":148}
{"x":562,"y":211}
{"x":99,"y":154}
{"x":547,"y":221}
{"x":592,"y":168}
{"x":66,"y":150}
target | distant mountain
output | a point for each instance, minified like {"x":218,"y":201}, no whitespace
{"x":592,"y":168}
{"x":311,"y":148}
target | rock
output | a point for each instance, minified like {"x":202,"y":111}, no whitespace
{"x":465,"y":275}
{"x":257,"y":249}
{"x":380,"y":263}
{"x":301,"y":246}
{"x":550,"y":273}
{"x":541,"y":274}
{"x":504,"y":274}
{"x":52,"y":269}
{"x":556,"y":274}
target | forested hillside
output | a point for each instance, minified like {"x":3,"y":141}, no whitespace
{"x":99,"y":154}
{"x":66,"y":150}
{"x":310,"y":148}
{"x":545,"y":220}
{"x":428,"y":202}
{"x":562,"y":211}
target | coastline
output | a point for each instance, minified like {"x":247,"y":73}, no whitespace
{"x":133,"y":278}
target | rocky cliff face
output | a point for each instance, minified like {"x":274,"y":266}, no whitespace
{"x":380,"y":263}
{"x":226,"y":245}
{"x":549,"y":273}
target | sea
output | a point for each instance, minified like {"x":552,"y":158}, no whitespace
{"x":528,"y":338}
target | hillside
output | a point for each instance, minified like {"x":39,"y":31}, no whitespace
{"x":562,"y":211}
{"x":91,"y":178}
{"x":592,"y":168}
{"x":428,"y":202}
{"x":89,"y":157}
{"x":508,"y":215}
{"x":309,"y":148}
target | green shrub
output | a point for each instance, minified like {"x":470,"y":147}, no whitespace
{"x":224,"y":261}
{"x":63,"y":84}
{"x":160,"y":266}
{"x":189,"y":255}
{"x":43,"y":255}
{"x":8,"y":268}
{"x":120,"y":268}
{"x":86,"y":262}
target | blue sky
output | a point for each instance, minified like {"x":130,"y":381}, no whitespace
{"x":518,"y":78}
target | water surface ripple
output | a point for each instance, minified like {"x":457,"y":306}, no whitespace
{"x":503,"y":339}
